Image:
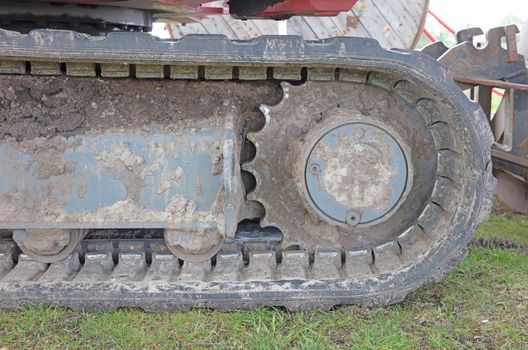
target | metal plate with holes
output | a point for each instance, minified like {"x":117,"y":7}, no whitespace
{"x":355,"y":174}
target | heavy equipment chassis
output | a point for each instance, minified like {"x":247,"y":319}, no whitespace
{"x":103,"y":277}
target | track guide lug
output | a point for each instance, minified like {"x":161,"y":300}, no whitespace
{"x":64,"y":270}
{"x":25,"y":270}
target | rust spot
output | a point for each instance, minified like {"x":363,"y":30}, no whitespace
{"x":352,"y":22}
{"x":386,"y":30}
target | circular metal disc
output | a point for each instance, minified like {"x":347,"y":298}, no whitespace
{"x":355,"y":174}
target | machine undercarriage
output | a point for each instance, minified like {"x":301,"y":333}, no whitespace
{"x":205,"y":172}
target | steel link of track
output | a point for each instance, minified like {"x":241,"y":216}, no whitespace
{"x":247,"y":275}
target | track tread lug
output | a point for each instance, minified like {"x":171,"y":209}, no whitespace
{"x":353,"y":76}
{"x":448,"y":165}
{"x":384,"y":81}
{"x":326,"y":265}
{"x":98,"y":266}
{"x":7,"y":250}
{"x":252,"y":73}
{"x":358,"y":263}
{"x":45,"y":68}
{"x":294,"y":265}
{"x":164,"y":267}
{"x":25,"y":270}
{"x":262,"y":266}
{"x":131,"y":267}
{"x":321,"y":74}
{"x":430,"y":217}
{"x":406,"y":90}
{"x":194,"y":271}
{"x":411,"y":242}
{"x":387,"y":257}
{"x":287,"y":73}
{"x":218,"y":73}
{"x":428,"y":112}
{"x":150,"y":71}
{"x":228,"y":266}
{"x":444,"y":191}
{"x":184,"y":72}
{"x":80,"y":69}
{"x":115,"y":70}
{"x":13,"y":67}
{"x":443,"y":137}
{"x":64,"y":270}
{"x":132,"y":262}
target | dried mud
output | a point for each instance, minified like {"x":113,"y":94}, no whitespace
{"x":32,"y":107}
{"x":37,"y":114}
{"x":497,"y":242}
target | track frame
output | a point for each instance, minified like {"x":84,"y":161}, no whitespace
{"x":217,"y":58}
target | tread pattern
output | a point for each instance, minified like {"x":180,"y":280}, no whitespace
{"x":101,"y":278}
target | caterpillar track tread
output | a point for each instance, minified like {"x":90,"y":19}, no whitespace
{"x":369,"y":169}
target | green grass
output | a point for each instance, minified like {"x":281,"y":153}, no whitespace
{"x":483,"y":304}
{"x":507,"y":227}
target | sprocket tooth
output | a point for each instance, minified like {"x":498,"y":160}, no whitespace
{"x":253,"y":136}
{"x":253,"y":171}
{"x":264,"y":222}
{"x":265,"y":109}
{"x":251,"y":196}
{"x":249,"y":167}
{"x":286,"y":87}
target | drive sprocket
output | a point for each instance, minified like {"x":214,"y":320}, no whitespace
{"x":381,"y":165}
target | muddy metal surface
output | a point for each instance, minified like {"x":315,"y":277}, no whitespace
{"x":156,"y":149}
{"x":294,"y":126}
{"x":381,"y":271}
{"x":49,"y":106}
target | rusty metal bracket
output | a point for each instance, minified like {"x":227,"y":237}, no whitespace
{"x":492,"y":83}
{"x":479,"y":67}
{"x":509,"y":158}
{"x":487,"y":60}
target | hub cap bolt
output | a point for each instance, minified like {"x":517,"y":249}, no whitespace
{"x":315,"y":168}
{"x":358,"y":133}
{"x":353,"y":218}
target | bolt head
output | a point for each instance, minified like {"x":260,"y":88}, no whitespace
{"x":353,"y":218}
{"x":315,"y":168}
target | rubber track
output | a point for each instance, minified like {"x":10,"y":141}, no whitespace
{"x":100,"y":280}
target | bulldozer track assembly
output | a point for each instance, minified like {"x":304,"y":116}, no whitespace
{"x":274,"y":171}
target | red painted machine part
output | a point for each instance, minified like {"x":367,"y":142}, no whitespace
{"x":307,"y":8}
{"x":179,"y":9}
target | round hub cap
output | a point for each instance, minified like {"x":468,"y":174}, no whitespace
{"x":356,"y":174}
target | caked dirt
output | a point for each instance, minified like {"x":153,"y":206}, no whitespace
{"x":37,"y":114}
{"x":33,"y":106}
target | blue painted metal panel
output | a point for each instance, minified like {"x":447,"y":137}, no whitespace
{"x":156,"y":179}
